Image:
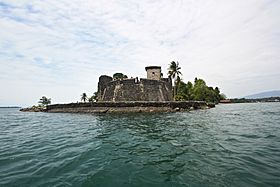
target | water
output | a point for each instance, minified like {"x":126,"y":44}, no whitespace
{"x":230,"y":145}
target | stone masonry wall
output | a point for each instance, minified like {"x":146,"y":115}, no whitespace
{"x":103,"y":81}
{"x":123,"y":107}
{"x":134,"y":90}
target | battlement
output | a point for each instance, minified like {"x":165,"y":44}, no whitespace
{"x":124,"y":81}
{"x":137,"y":81}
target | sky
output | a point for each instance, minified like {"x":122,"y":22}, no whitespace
{"x":60,"y":48}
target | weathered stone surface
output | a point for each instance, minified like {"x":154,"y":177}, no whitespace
{"x":134,"y":90}
{"x":124,"y":107}
{"x":102,"y":83}
{"x":154,"y":88}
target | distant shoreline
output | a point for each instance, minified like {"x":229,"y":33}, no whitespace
{"x":256,"y":100}
{"x":10,"y":107}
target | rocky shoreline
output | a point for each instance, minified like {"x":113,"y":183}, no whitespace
{"x":122,"y":107}
{"x":33,"y":109}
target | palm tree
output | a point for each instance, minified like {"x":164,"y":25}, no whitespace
{"x":93,"y":98}
{"x":44,"y":101}
{"x":84,"y":97}
{"x":174,"y":73}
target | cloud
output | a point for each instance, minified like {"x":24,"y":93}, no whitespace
{"x":60,"y":48}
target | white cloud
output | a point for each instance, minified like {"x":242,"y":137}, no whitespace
{"x":60,"y":48}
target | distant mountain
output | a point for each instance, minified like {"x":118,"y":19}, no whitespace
{"x":275,"y":93}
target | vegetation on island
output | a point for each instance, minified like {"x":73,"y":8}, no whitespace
{"x":119,"y":76}
{"x":261,"y":100}
{"x":84,"y":97}
{"x":92,"y":98}
{"x":44,"y":101}
{"x":42,"y":105}
{"x":198,"y":90}
{"x":174,"y":73}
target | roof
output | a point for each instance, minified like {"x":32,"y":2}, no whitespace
{"x":152,"y":67}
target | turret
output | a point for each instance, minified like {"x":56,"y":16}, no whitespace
{"x":153,"y":72}
{"x":102,"y":83}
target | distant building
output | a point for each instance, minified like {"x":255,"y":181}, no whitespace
{"x":152,"y":88}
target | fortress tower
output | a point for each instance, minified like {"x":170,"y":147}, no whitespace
{"x":153,"y":72}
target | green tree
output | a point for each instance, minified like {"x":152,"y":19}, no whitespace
{"x":184,"y":91}
{"x":174,"y":73}
{"x":119,"y":76}
{"x":223,"y":96}
{"x":90,"y":99}
{"x":202,"y":92}
{"x":189,"y":92}
{"x":181,"y":94}
{"x":84,"y":97}
{"x":217,"y":95}
{"x":44,"y":101}
{"x":217,"y":90}
{"x":93,"y":98}
{"x":211,"y":95}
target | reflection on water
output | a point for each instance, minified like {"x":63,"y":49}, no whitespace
{"x":230,"y":145}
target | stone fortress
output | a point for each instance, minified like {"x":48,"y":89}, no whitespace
{"x":152,"y":88}
{"x":151,"y":94}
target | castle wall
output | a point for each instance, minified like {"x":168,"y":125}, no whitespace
{"x":102,"y":83}
{"x":154,"y":90}
{"x":134,"y":90}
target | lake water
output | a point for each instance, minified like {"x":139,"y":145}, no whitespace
{"x":230,"y":145}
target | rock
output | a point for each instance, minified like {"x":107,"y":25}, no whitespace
{"x":177,"y":109}
{"x":211,"y":105}
{"x":33,"y":109}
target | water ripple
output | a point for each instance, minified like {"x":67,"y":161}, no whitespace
{"x":230,"y":145}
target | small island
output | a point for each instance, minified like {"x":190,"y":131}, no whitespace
{"x":151,"y":94}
